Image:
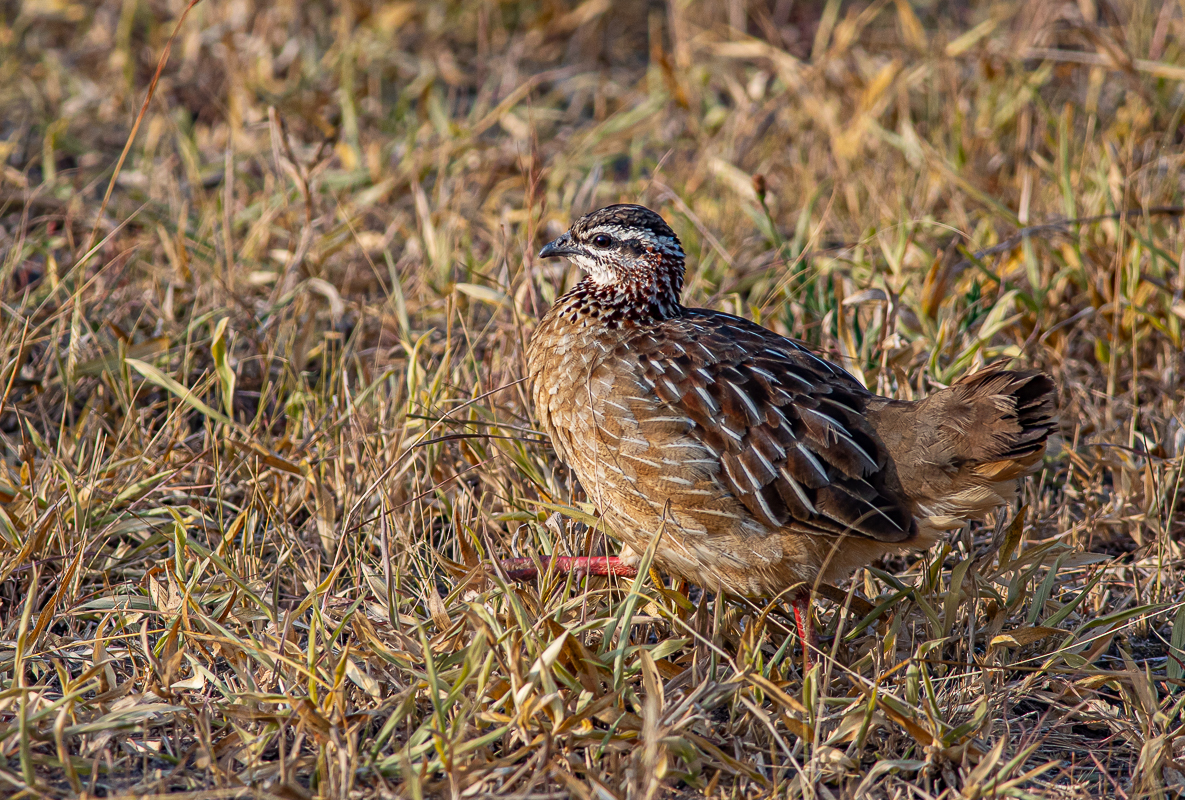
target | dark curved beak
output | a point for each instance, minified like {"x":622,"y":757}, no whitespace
{"x":562,"y":246}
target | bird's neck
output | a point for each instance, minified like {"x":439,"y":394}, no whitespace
{"x":640,"y":296}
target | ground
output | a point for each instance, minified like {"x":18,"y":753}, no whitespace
{"x":263,"y":431}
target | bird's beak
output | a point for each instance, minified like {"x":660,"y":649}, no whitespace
{"x":562,"y":246}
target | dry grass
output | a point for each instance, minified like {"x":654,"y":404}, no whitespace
{"x":263,"y":440}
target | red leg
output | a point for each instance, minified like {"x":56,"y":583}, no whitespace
{"x":806,"y":630}
{"x":523,"y":569}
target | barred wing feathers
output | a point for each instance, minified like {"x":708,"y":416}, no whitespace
{"x":788,"y":428}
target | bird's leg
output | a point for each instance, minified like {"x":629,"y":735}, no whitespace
{"x":806,"y":630}
{"x":524,"y":569}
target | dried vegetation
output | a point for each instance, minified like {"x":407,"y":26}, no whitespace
{"x":262,"y":435}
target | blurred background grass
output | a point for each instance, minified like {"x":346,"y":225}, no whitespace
{"x":262,"y":434}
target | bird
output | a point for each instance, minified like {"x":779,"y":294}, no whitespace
{"x":758,"y":464}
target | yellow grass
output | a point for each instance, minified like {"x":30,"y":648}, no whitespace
{"x":264,"y":435}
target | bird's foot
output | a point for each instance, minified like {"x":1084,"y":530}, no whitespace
{"x":525,"y":569}
{"x":801,"y":601}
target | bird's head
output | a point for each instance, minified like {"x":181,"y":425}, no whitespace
{"x":630,"y":254}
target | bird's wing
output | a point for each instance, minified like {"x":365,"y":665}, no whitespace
{"x":787,"y":427}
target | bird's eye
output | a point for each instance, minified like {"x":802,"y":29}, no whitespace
{"x":602,"y":240}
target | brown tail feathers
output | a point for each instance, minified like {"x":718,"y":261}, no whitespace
{"x":960,"y":451}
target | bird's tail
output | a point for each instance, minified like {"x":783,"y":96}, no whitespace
{"x":960,"y":452}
